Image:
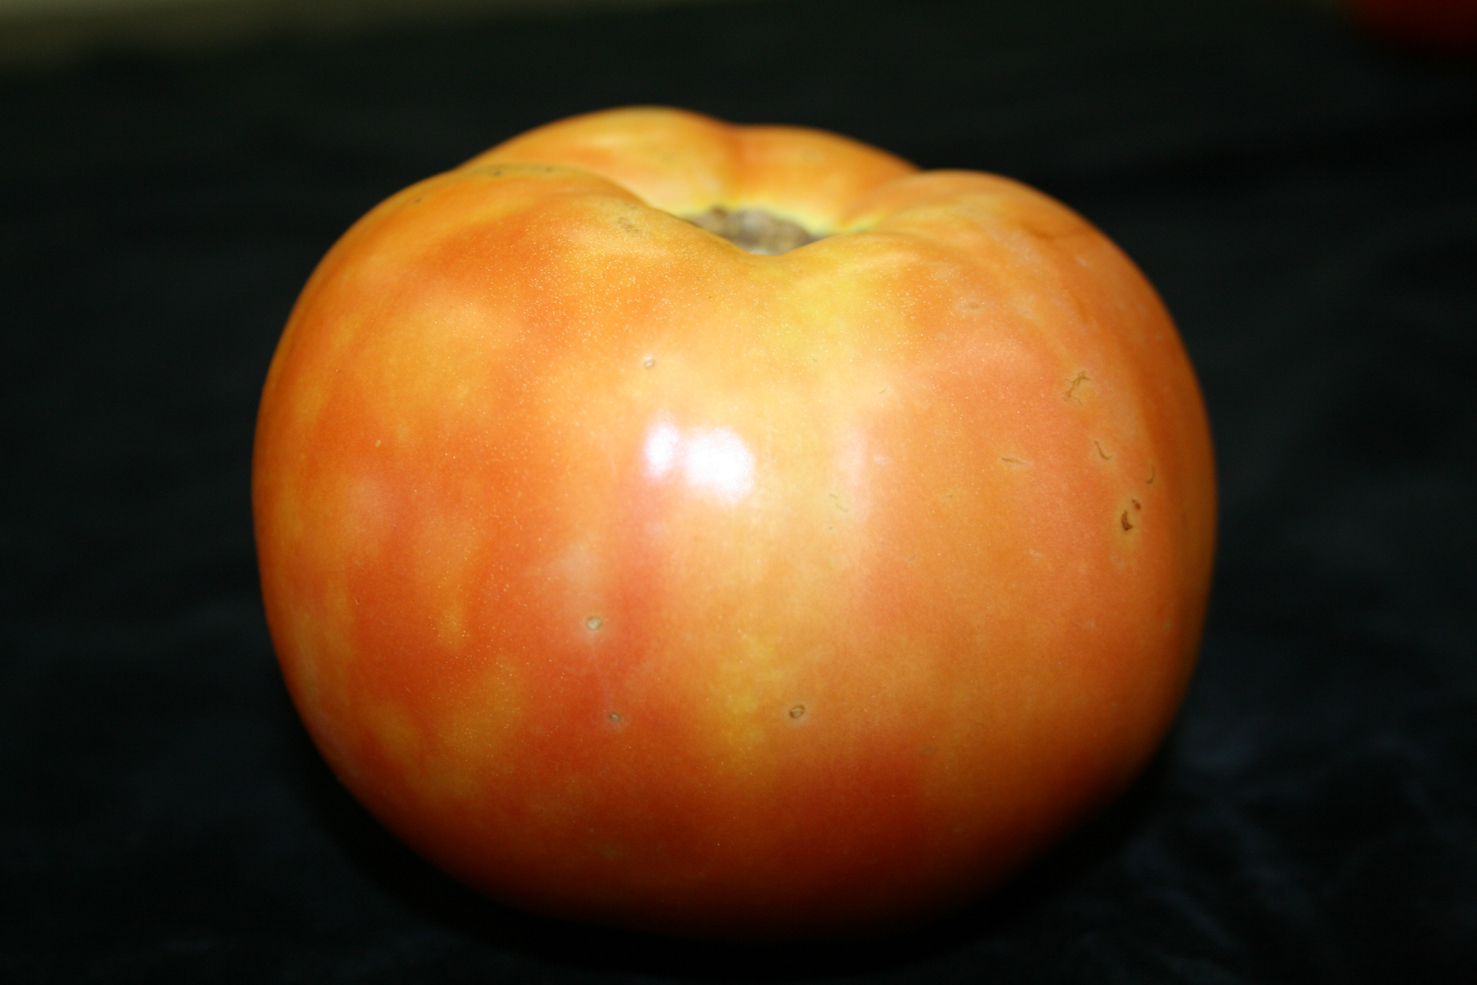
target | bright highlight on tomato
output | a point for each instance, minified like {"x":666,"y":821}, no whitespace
{"x":730,"y":531}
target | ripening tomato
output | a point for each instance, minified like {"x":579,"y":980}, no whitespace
{"x":730,"y":531}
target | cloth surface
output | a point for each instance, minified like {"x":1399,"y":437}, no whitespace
{"x":1304,"y":198}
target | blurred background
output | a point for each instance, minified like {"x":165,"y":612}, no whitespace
{"x":50,"y":31}
{"x":39,"y":32}
{"x":1297,"y":179}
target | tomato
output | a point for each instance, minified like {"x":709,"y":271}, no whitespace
{"x":637,"y":578}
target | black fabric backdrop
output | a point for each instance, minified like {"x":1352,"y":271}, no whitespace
{"x":1304,"y":198}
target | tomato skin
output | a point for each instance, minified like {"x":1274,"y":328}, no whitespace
{"x":636,"y":579}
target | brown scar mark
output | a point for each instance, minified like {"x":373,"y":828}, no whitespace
{"x":1099,"y":444}
{"x":1124,"y":520}
{"x":1077,"y":381}
{"x":1136,"y":505}
{"x":1013,"y":461}
{"x":836,"y":498}
{"x":1152,"y":473}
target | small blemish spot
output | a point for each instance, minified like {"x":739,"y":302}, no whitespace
{"x":593,"y":623}
{"x":1124,"y":520}
{"x":798,"y":711}
{"x":377,"y":442}
{"x":1013,"y":461}
{"x":1077,"y":381}
{"x":649,"y":362}
{"x":1105,"y":455}
{"x":614,"y":717}
{"x":1153,"y":473}
{"x":1136,"y":504}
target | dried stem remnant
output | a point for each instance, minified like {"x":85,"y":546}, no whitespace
{"x":753,"y":229}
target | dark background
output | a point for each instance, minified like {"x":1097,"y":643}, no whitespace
{"x":1304,"y":197}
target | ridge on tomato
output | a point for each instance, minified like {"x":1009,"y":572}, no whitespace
{"x":804,"y":586}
